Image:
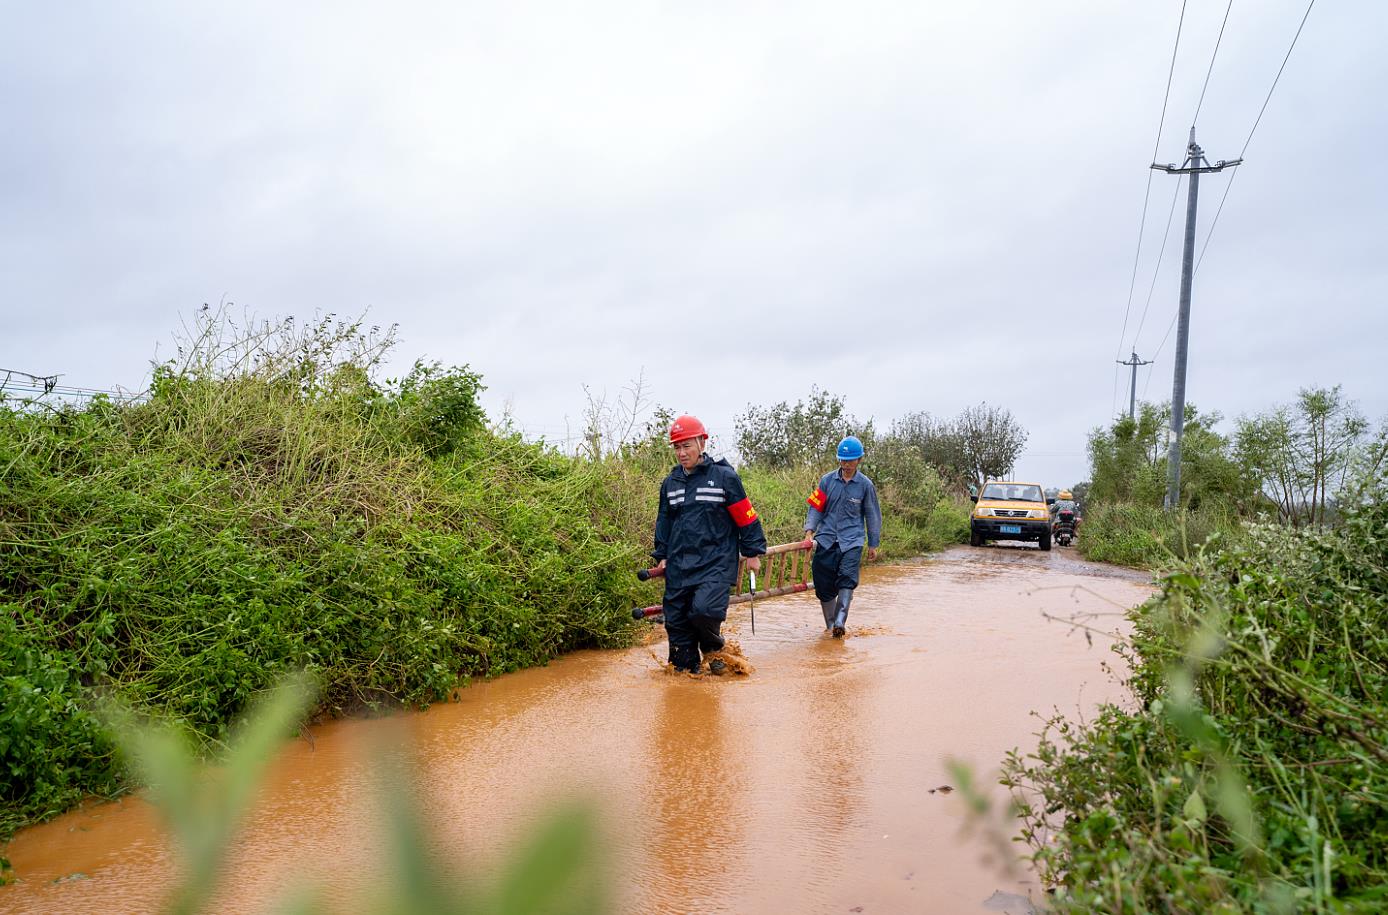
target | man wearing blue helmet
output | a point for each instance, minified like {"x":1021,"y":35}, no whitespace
{"x":842,"y":506}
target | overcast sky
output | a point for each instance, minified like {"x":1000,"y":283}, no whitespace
{"x":916,"y":205}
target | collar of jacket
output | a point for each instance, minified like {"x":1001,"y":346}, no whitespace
{"x":705,"y":462}
{"x":838,"y":475}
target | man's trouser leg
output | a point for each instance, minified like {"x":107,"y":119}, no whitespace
{"x":706,"y":616}
{"x":684,"y":650}
{"x":824,"y":568}
{"x":845,"y":581}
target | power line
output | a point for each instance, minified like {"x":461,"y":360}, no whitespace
{"x":1150,"y":372}
{"x":30,"y":388}
{"x":1276,"y":78}
{"x":1228,"y":187}
{"x":1258,"y":120}
{"x":1156,"y":271}
{"x":1155,"y":355}
{"x":48,"y":381}
{"x":1166,"y":237}
{"x":1147,"y":194}
{"x":1200,"y":103}
{"x":1113,"y":405}
{"x":1214,"y":222}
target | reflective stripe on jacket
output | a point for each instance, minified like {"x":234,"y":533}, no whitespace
{"x":704,"y":521}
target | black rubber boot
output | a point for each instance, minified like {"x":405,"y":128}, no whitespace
{"x":830,"y":607}
{"x":841,"y":618}
{"x":707,"y":634}
{"x":717,"y":666}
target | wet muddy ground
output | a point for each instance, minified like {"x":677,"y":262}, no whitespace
{"x":814,"y":784}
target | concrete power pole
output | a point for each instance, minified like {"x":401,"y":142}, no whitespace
{"x":1132,"y":389}
{"x":1195,"y":165}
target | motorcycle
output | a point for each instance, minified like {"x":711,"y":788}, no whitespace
{"x":1065,"y":527}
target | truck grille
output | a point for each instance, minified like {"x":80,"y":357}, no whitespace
{"x":1010,"y":512}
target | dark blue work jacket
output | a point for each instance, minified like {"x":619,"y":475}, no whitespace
{"x":705,"y":520}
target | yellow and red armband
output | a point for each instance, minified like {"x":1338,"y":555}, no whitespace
{"x":743,"y":513}
{"x":818,"y":499}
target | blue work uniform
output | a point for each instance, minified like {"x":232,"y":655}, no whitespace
{"x":705,"y":520}
{"x":848,"y":514}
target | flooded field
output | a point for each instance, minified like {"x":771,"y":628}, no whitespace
{"x":810,"y":785}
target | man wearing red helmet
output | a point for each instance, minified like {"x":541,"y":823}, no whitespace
{"x":704,"y":521}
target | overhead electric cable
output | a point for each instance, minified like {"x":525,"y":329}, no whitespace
{"x":1156,"y":271}
{"x":1200,"y":103}
{"x":27,"y":387}
{"x":1258,"y":120}
{"x":1157,"y":354}
{"x":1146,"y":197}
{"x":1113,"y":405}
{"x":1229,"y":186}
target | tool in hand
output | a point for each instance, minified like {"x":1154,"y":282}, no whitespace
{"x":752,"y":599}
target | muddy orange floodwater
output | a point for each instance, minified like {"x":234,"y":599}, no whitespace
{"x":804,"y":787}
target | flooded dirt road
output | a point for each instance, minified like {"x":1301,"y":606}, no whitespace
{"x":805,"y":787}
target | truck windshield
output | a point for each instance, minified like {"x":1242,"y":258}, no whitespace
{"x":1014,"y":492}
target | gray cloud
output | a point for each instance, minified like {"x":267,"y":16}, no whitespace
{"x":917,"y":206}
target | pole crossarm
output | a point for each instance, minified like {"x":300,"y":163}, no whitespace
{"x":1205,"y":169}
{"x":1132,"y":389}
{"x":1194,"y":156}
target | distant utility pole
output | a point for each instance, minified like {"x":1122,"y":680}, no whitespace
{"x":1132,"y":390}
{"x":1195,"y":165}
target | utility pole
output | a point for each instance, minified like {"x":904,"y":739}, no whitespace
{"x":1195,"y":165}
{"x":1132,"y":390}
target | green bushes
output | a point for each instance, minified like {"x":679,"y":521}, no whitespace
{"x":916,"y":515}
{"x":1253,"y":773}
{"x":269,"y":508}
{"x":186,"y":551}
{"x":52,"y":750}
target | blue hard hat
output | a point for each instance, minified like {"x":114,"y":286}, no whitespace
{"x":850,"y":449}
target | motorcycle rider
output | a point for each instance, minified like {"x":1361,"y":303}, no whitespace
{"x":1065,"y":502}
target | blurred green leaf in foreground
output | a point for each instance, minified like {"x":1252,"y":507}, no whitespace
{"x":557,"y":870}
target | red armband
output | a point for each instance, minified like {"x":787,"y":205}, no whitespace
{"x":818,"y":499}
{"x":743,"y":513}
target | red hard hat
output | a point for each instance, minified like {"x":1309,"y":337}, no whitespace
{"x":686,"y":427}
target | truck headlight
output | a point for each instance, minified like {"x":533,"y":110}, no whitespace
{"x":984,"y":512}
{"x":1036,"y":513}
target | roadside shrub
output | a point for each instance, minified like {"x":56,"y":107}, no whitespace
{"x":1128,"y":461}
{"x":916,"y":518}
{"x":785,"y":436}
{"x":1146,"y":537}
{"x":949,"y":522}
{"x":1252,"y":774}
{"x":52,"y":750}
{"x":184,"y":551}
